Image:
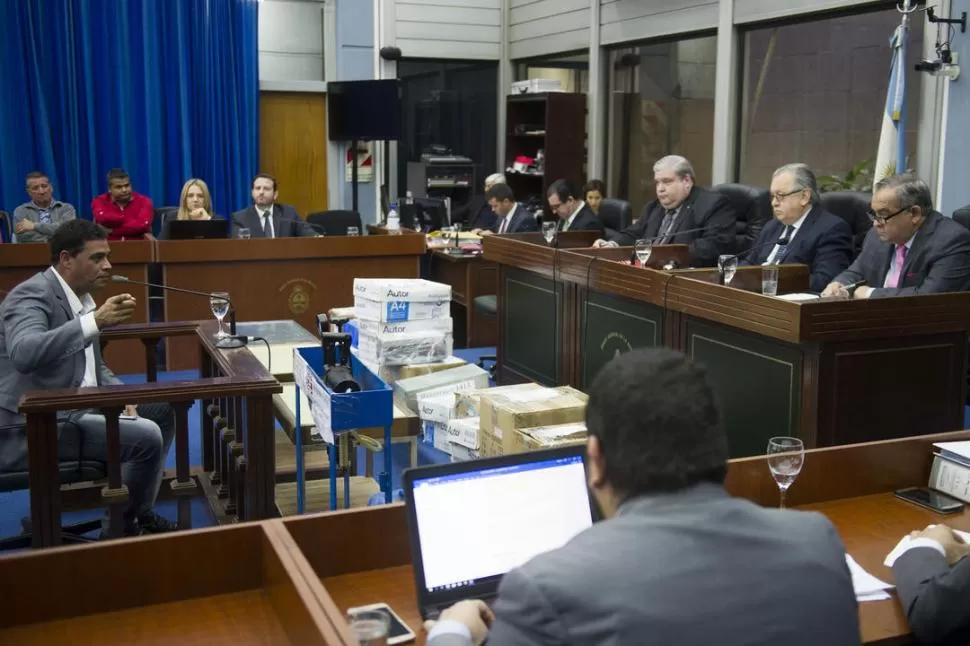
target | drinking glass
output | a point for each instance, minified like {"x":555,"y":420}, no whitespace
{"x":370,"y":627}
{"x":643,"y":247}
{"x":728,"y":266}
{"x":353,"y":231}
{"x":769,"y":280}
{"x":785,"y":458}
{"x":219,"y":302}
{"x":549,"y":231}
{"x":243,"y":233}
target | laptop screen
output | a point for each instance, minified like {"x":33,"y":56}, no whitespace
{"x":475,"y":526}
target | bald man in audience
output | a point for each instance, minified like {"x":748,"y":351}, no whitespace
{"x":911,"y":249}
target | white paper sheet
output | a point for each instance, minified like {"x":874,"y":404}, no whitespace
{"x":904,"y":543}
{"x":866,"y":586}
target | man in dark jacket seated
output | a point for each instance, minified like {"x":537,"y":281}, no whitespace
{"x":802,"y":232}
{"x":478,"y":214}
{"x":683,"y":213}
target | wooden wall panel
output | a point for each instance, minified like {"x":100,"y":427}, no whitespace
{"x":293,"y":147}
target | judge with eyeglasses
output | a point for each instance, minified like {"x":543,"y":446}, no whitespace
{"x":911,"y":248}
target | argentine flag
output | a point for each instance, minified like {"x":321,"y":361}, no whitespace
{"x":891,"y":158}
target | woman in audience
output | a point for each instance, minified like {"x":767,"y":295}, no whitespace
{"x":195,"y":203}
{"x":593,"y":194}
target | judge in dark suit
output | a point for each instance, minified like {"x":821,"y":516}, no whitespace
{"x":678,"y":560}
{"x":567,"y":204}
{"x":266,"y":219}
{"x":814,"y":236}
{"x":911,"y":248}
{"x":683,"y":213}
{"x":477,"y":214}
{"x":511,"y":216}
{"x":933,"y":583}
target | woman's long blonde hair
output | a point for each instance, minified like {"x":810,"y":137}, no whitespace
{"x":206,"y":198}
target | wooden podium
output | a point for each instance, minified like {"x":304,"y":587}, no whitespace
{"x":281,"y":278}
{"x":830,"y":372}
{"x":130,"y":258}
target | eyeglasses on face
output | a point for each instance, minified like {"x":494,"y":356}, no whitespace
{"x":882,"y":219}
{"x":778,"y":197}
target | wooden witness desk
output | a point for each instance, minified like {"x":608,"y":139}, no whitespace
{"x":363,"y":556}
{"x":131,"y":258}
{"x":233,"y":381}
{"x":831,"y":372}
{"x":469,"y":277}
{"x":283,"y":278}
{"x":234,"y":585}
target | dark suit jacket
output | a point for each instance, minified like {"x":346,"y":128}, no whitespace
{"x":934,"y":596}
{"x":286,"y":223}
{"x":823,"y":242}
{"x":704,"y":209}
{"x":172,"y":216}
{"x":522,"y":221}
{"x":477,"y":214}
{"x":41,"y":348}
{"x":691,"y":568}
{"x":585,"y":220}
{"x":938,"y":261}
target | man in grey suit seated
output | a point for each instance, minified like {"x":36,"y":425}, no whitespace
{"x":36,"y":220}
{"x":49,"y":327}
{"x":933,"y":582}
{"x":911,"y":248}
{"x":266,"y":218}
{"x":512,"y":217}
{"x":677,"y":560}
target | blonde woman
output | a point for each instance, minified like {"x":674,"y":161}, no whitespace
{"x":195,"y":203}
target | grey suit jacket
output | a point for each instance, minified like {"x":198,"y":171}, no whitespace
{"x":938,"y":261}
{"x":41,"y":348}
{"x":934,"y":595}
{"x":286,"y":223}
{"x":692,"y":568}
{"x":521,"y":222}
{"x":60,"y":213}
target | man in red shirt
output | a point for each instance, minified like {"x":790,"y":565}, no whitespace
{"x":126,"y":214}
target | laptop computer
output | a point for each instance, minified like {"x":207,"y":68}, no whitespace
{"x":471,"y":522}
{"x":198,"y":229}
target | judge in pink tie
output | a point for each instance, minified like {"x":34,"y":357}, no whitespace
{"x":911,"y":249}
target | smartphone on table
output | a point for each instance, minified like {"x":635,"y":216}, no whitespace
{"x":930,"y":499}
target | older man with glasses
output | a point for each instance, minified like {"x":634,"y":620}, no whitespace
{"x":911,"y":248}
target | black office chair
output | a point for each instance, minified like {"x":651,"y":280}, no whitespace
{"x":616,"y":215}
{"x":335,"y":223}
{"x":162,"y":215}
{"x":962,"y":216}
{"x":753,"y":209}
{"x":853,"y":207}
{"x":7,"y":231}
{"x":70,"y":472}
{"x":487,"y":306}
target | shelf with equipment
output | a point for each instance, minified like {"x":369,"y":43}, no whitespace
{"x":554,"y":123}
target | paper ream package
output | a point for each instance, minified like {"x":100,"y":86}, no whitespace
{"x":395,"y":300}
{"x":461,"y":453}
{"x":547,"y":437}
{"x":465,"y":432}
{"x":445,"y":382}
{"x":438,"y":436}
{"x":391,"y":374}
{"x":435,"y":409}
{"x":405,"y":349}
{"x":380,"y":329}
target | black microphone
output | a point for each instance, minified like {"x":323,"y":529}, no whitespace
{"x":783,"y":241}
{"x":226,"y":343}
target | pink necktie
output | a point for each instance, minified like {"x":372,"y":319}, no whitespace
{"x":505,"y":223}
{"x":897,"y":271}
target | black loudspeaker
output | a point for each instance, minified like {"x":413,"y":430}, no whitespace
{"x":391,"y":53}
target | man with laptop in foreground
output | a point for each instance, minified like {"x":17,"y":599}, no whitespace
{"x":677,"y":560}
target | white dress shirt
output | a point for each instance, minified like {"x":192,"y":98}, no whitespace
{"x":892,"y":263}
{"x":791,"y":237}
{"x":83,"y":308}
{"x":507,"y":220}
{"x":572,"y":217}
{"x":266,"y":223}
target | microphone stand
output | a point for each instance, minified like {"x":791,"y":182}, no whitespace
{"x":783,"y":241}
{"x":230,"y":342}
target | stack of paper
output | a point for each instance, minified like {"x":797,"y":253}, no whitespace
{"x":904,"y":543}
{"x":867,"y":587}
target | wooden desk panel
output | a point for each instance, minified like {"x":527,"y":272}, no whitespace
{"x":469,"y":278}
{"x":287,"y":278}
{"x":131,"y":258}
{"x":393,"y":586}
{"x":231,"y":585}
